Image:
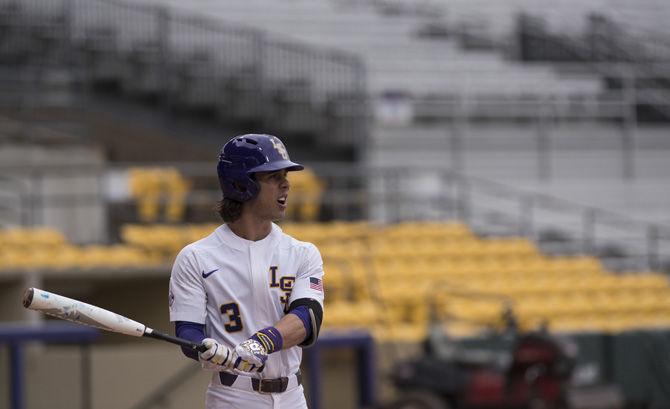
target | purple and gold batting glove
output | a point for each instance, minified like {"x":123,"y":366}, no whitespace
{"x":252,"y":353}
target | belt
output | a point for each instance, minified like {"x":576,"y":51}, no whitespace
{"x":276,"y":385}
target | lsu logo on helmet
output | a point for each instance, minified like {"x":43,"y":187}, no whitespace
{"x":279,"y":147}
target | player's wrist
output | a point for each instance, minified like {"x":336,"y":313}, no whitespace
{"x":270,"y":338}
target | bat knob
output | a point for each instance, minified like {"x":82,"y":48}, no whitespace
{"x":28,"y":297}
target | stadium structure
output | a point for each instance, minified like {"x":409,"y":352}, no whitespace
{"x":478,"y":167}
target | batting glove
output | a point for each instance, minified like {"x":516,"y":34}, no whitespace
{"x":216,"y":353}
{"x":251,"y":356}
{"x":252,"y":353}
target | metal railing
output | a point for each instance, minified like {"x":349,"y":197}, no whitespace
{"x":390,"y":195}
{"x":427,"y":193}
{"x":558,"y":225}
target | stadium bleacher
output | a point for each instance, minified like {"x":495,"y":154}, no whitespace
{"x":45,"y":249}
{"x":407,"y":268}
{"x":395,"y":58}
{"x":397,"y":277}
{"x":193,"y":65}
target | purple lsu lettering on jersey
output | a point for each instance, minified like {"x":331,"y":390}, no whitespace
{"x":285,"y":285}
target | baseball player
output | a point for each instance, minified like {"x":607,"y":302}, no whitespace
{"x":249,"y":292}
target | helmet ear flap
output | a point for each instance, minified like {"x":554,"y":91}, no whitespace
{"x":234,"y":181}
{"x":240,"y":189}
{"x":253,"y":188}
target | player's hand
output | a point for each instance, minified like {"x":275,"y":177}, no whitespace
{"x":217,"y":354}
{"x":250,"y":356}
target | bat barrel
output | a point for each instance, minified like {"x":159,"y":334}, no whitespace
{"x":87,"y":314}
{"x":80,"y":312}
{"x":28,"y":297}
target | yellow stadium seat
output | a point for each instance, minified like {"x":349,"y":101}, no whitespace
{"x":389,"y":278}
{"x":46,"y":237}
{"x":351,"y":315}
{"x":67,"y":258}
{"x":149,"y":185}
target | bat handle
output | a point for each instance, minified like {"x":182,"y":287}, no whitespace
{"x":148,"y":332}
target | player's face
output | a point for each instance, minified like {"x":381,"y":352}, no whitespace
{"x":270,"y":203}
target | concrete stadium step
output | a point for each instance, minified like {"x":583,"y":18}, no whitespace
{"x":569,"y":166}
{"x":496,"y":69}
{"x":468,"y":64}
{"x":349,"y":40}
{"x":470,"y":84}
{"x":49,"y":85}
{"x":329,"y":21}
{"x":489,"y":150}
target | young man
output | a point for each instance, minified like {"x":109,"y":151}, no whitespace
{"x":249,"y":292}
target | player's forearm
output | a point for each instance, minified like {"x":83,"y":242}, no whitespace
{"x":191,"y":331}
{"x":292,"y":330}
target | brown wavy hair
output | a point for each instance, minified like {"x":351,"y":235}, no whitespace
{"x":229,"y":210}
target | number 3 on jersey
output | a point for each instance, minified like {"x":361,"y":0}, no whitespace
{"x":232,"y":310}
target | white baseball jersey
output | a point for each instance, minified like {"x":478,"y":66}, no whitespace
{"x":236,"y":287}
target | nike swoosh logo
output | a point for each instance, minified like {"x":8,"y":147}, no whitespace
{"x":205,"y":275}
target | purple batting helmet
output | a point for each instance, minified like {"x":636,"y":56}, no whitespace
{"x":246,"y":154}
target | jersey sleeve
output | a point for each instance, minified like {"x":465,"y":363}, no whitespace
{"x":309,"y":279}
{"x":188,"y":300}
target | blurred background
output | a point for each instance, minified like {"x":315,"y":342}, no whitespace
{"x":487,"y":183}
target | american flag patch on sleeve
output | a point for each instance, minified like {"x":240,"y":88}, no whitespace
{"x":315,"y":284}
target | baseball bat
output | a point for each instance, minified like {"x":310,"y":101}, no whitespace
{"x":87,"y":314}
